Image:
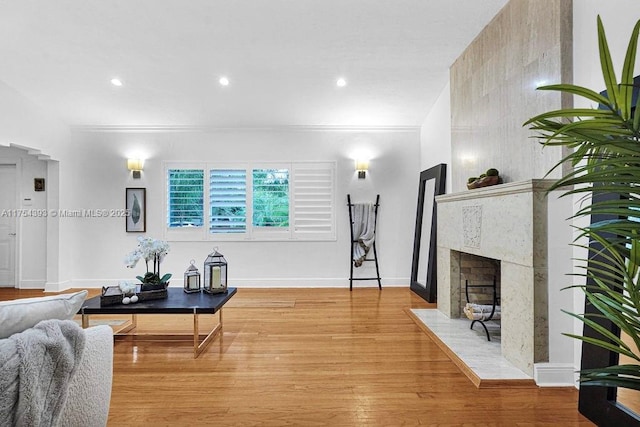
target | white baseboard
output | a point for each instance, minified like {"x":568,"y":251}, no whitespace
{"x":32,"y":284}
{"x":554,"y":374}
{"x":57,"y":286}
{"x":260,"y":283}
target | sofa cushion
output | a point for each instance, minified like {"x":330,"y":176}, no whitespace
{"x":20,"y":314}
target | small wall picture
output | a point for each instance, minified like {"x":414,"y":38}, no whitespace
{"x":38,"y":184}
{"x":136,"y":205}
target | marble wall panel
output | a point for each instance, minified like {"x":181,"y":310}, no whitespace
{"x":493,"y":91}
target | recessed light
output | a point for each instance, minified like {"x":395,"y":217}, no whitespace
{"x":116,"y":82}
{"x":341,"y":82}
{"x":224,"y":81}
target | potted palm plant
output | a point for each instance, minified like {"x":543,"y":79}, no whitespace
{"x":604,"y":154}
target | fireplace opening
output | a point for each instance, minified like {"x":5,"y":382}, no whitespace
{"x":480,"y":293}
{"x":478,"y":270}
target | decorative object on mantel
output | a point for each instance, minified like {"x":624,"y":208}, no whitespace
{"x":490,"y":177}
{"x":603,"y":152}
{"x":150,"y":249}
{"x":215,"y":273}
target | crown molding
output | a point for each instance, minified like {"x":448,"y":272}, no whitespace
{"x":193,"y":128}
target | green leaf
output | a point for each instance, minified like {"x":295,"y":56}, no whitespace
{"x":603,"y":150}
{"x":626,"y":88}
{"x":577,"y":90}
{"x":608,"y":72}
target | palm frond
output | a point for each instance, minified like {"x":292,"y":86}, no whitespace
{"x":604,"y":152}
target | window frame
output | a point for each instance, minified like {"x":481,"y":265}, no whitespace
{"x":190,"y":234}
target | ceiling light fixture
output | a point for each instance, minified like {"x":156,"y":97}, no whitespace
{"x":224,"y":81}
{"x":116,"y":82}
{"x":341,"y":82}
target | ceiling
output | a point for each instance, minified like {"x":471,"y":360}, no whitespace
{"x":282,"y":58}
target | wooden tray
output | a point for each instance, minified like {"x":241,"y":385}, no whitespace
{"x":149,"y":295}
{"x":112,"y":295}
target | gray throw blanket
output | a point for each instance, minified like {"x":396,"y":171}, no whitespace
{"x":36,"y":367}
{"x":364,"y":225}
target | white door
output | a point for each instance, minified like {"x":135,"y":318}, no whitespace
{"x":8,"y":221}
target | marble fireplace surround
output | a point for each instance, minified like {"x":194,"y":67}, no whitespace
{"x":507,"y":222}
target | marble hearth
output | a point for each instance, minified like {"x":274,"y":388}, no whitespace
{"x":508,"y":223}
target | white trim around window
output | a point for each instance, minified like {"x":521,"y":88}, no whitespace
{"x":228,"y":203}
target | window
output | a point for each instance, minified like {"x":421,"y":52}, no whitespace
{"x":270,"y":198}
{"x":227,"y":201}
{"x":284,"y":201}
{"x":185,"y":198}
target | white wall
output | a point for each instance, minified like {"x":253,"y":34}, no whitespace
{"x":97,"y":246}
{"x":24,"y":124}
{"x":435,"y":135}
{"x":618,"y":18}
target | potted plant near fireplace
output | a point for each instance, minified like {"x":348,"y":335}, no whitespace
{"x":604,"y":154}
{"x":153,"y":252}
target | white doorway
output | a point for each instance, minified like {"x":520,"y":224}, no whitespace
{"x":8,"y":221}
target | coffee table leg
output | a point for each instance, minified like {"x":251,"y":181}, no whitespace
{"x":198,"y":347}
{"x":128,"y":325}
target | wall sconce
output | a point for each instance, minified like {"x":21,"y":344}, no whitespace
{"x":362,"y":166}
{"x":135,"y":165}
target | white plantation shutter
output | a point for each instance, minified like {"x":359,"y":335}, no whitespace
{"x":284,"y":201}
{"x":185,"y":198}
{"x":228,"y":201}
{"x":313,"y":201}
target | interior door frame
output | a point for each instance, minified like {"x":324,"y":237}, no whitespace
{"x":16,"y":242}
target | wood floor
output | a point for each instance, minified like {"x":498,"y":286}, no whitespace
{"x":313,"y":357}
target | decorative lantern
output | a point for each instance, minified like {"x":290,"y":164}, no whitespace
{"x":192,"y":278}
{"x":215,"y":273}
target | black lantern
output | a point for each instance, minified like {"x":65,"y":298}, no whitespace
{"x":192,"y":279}
{"x":215,"y":273}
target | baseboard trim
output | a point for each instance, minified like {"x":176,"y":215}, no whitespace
{"x":32,"y":284}
{"x":57,"y":286}
{"x":554,"y":374}
{"x":261,"y":283}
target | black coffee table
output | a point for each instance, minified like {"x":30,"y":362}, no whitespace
{"x":177,"y":302}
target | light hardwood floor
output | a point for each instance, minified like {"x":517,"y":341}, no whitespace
{"x":313,"y":357}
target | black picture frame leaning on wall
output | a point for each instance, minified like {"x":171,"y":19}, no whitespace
{"x":136,"y":206}
{"x":423,"y":268}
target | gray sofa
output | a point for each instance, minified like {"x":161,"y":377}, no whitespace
{"x":90,"y":389}
{"x":52,"y":372}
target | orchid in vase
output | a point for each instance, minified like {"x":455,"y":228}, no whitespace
{"x":150,"y":249}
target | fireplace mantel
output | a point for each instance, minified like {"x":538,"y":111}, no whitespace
{"x":531,"y":185}
{"x":507,"y":222}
